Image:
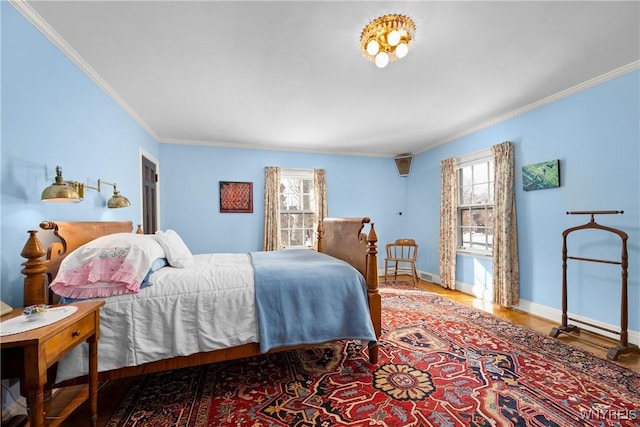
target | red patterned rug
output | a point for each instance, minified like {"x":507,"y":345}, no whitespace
{"x":441,"y":364}
{"x":398,"y":284}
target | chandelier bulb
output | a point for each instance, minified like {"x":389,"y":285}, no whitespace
{"x":387,"y":38}
{"x":393,"y":38}
{"x":373,"y":47}
{"x":401,"y":50}
{"x":382,"y":59}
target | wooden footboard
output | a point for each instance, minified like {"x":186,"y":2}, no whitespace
{"x":339,"y":237}
{"x":343,"y":238}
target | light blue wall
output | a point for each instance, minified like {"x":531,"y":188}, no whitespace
{"x":53,"y":114}
{"x":596,"y":135}
{"x":189,"y":182}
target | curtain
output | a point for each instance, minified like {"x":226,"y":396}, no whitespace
{"x":506,"y":283}
{"x":320,"y":194}
{"x":448,"y":223}
{"x":272,"y":240}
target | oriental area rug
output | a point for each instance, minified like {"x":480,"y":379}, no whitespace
{"x":440,"y":364}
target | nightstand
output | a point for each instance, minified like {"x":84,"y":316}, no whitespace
{"x":27,"y":355}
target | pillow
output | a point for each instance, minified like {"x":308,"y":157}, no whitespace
{"x":177,"y":252}
{"x":109,"y":265}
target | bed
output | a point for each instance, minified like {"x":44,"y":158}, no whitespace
{"x":340,"y":240}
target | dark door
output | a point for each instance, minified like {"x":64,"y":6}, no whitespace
{"x":149,"y":205}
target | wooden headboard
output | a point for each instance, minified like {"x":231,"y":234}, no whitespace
{"x":71,"y":235}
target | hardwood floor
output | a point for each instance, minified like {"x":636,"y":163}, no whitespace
{"x":590,"y":342}
{"x":111,"y":393}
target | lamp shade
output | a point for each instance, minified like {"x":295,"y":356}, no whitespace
{"x":118,"y":201}
{"x":60,"y":191}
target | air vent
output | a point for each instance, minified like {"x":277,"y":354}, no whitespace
{"x":427,"y":277}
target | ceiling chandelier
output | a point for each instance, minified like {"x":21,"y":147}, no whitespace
{"x":387,"y":38}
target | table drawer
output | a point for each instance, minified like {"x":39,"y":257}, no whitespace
{"x":69,"y":337}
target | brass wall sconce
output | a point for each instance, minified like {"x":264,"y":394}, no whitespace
{"x":73,"y":191}
{"x":117,"y":200}
{"x":61,"y":190}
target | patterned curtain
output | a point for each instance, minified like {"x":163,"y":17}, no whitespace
{"x":448,"y":223}
{"x":506,"y":282}
{"x":320,"y":194}
{"x":272,"y":240}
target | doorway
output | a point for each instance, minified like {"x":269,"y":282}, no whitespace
{"x":149,"y":196}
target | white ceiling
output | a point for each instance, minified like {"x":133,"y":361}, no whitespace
{"x":289,"y":75}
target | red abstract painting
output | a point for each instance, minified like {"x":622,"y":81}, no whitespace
{"x":236,"y":197}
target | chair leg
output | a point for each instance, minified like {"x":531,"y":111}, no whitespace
{"x":386,"y":264}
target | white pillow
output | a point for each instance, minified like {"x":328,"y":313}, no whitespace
{"x":176,"y":251}
{"x":109,"y":265}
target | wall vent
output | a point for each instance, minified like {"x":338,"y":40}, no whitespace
{"x":427,"y":277}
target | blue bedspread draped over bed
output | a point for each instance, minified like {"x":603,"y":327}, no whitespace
{"x":306,"y":297}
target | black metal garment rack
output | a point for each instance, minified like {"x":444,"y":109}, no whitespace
{"x":623,"y":346}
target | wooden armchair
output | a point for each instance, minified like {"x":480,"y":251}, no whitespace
{"x":401,"y":259}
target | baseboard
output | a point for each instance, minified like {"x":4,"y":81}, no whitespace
{"x":555,"y":315}
{"x":539,"y":310}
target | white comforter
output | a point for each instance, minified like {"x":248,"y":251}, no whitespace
{"x":205,"y":307}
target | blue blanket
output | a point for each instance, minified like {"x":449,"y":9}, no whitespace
{"x":306,"y":297}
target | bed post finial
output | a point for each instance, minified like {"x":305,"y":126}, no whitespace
{"x":139,"y":230}
{"x":34,"y":269}
{"x":372,"y":251}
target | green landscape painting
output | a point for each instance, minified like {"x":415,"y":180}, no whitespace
{"x":541,"y":175}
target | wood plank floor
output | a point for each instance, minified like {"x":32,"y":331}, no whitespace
{"x":111,"y":393}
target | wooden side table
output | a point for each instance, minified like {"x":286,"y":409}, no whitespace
{"x":27,"y":355}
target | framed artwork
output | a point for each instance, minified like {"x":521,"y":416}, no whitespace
{"x":541,"y":175}
{"x":236,"y":197}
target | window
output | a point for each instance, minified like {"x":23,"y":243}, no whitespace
{"x":475,"y":203}
{"x":297,"y":208}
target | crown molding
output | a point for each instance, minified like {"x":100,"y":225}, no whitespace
{"x":32,"y":16}
{"x":633,"y":66}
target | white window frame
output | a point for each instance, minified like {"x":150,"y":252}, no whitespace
{"x":304,"y":174}
{"x":466,"y":161}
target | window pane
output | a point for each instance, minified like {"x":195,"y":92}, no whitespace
{"x":480,"y":194}
{"x":296,"y":238}
{"x":284,"y":236}
{"x":465,"y":217}
{"x":466,"y":237}
{"x":307,"y":186}
{"x":308,"y":202}
{"x":296,"y":221}
{"x":466,"y":194}
{"x":285,"y":202}
{"x":479,"y":217}
{"x":309,"y":221}
{"x":480,"y":173}
{"x":284,"y":221}
{"x":467,"y":176}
